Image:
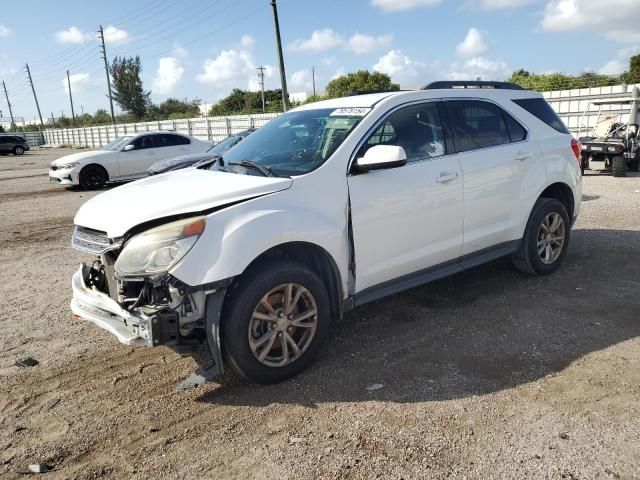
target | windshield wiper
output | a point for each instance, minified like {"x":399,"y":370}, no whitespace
{"x":266,"y":171}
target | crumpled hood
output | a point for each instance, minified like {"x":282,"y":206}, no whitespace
{"x":184,"y":191}
{"x":75,"y":157}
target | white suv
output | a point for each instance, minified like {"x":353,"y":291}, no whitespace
{"x":327,"y":207}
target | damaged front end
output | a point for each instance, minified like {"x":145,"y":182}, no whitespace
{"x":128,"y":291}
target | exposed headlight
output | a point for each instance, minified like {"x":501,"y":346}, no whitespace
{"x":157,"y":250}
{"x":66,"y":166}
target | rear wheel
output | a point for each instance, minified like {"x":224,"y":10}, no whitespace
{"x":545,"y":240}
{"x":619,"y":166}
{"x":18,"y":151}
{"x":274,"y":321}
{"x":93,"y":177}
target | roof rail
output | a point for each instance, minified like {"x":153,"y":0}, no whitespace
{"x":444,"y":84}
{"x":367,"y":92}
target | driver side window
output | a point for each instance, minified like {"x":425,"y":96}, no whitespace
{"x":416,"y":128}
{"x":143,"y":142}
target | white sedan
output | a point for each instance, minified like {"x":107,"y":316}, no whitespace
{"x":125,"y":158}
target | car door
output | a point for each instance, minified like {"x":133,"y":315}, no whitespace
{"x":134,"y":163}
{"x":171,"y":145}
{"x":5,"y":144}
{"x":495,"y":155}
{"x":409,"y":218}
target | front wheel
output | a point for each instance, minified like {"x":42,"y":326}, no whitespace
{"x":92,"y":177}
{"x":545,"y":240}
{"x":619,"y":166}
{"x":274,"y":321}
{"x":18,"y":151}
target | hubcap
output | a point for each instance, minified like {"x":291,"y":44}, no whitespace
{"x":283,"y":325}
{"x":551,"y":238}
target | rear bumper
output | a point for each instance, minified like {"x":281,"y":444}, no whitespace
{"x":130,"y":328}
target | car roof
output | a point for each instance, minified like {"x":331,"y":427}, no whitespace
{"x":371,"y":99}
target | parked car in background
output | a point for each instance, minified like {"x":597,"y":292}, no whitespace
{"x":125,"y":158}
{"x":13,"y":144}
{"x":327,"y":207}
{"x":185,"y":161}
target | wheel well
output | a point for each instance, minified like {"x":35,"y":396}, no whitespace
{"x":562,"y":193}
{"x":106,"y":174}
{"x":318,"y":260}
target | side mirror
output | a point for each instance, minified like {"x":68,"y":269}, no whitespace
{"x":128,"y":148}
{"x":380,"y":157}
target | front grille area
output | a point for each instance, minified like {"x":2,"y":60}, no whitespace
{"x":89,"y":240}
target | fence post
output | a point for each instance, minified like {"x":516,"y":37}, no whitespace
{"x":135,"y":128}
{"x":86,"y":142}
{"x":189,"y":128}
{"x":159,"y":126}
{"x":99,"y":138}
{"x":173,"y":125}
{"x":251,"y":122}
{"x":228,"y":121}
{"x":209,"y":138}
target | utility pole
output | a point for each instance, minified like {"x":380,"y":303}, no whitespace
{"x":73,"y":114}
{"x":106,"y":69}
{"x":313,"y":79}
{"x":283,"y":75}
{"x":6,"y":95}
{"x":82,"y":113}
{"x":53,"y":120}
{"x":261,"y":76}
{"x":34,"y":95}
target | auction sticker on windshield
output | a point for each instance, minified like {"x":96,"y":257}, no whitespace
{"x":350,"y":111}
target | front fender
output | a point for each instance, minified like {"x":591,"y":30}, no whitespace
{"x":236,"y":236}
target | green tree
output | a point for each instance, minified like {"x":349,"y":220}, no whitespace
{"x":560,"y":81}
{"x":633,"y":74}
{"x":101,"y":117}
{"x":360,"y":81}
{"x":127,"y":86}
{"x":241,"y":101}
{"x":174,"y":109}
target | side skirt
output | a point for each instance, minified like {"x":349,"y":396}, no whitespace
{"x":431,"y":274}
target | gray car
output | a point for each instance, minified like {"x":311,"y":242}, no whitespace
{"x":13,"y":144}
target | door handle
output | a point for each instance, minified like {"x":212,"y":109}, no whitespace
{"x":522,"y":156}
{"x":446,"y":177}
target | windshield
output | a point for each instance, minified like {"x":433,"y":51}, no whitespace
{"x":295,"y":143}
{"x":224,"y":145}
{"x":117,"y":144}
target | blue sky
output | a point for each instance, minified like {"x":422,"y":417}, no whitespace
{"x":191,"y":48}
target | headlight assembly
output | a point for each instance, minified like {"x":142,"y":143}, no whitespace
{"x":157,"y":250}
{"x":67,"y":166}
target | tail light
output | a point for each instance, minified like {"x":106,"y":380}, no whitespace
{"x":576,"y":146}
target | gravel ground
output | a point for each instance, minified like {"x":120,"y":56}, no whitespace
{"x":487,"y":374}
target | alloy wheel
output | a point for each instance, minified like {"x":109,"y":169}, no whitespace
{"x":283,"y":325}
{"x":551,"y":238}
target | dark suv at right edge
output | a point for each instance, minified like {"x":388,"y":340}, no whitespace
{"x":13,"y":144}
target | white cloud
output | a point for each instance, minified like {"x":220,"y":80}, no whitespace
{"x":168,"y":75}
{"x":4,"y":31}
{"x":115,"y":35}
{"x":473,"y":44}
{"x":613,"y":67}
{"x":615,"y":19}
{"x":179,"y":51}
{"x":247,"y":41}
{"x":329,"y":61}
{"x":301,"y":81}
{"x":319,"y":41}
{"x":620,"y":63}
{"x":360,"y":44}
{"x":228,"y":68}
{"x":497,"y":4}
{"x":79,"y":82}
{"x":71,"y":35}
{"x":400,"y":5}
{"x":402,"y":69}
{"x":479,"y":67}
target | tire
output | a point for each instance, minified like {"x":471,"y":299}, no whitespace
{"x":527,"y":258}
{"x":93,"y":177}
{"x":18,"y":151}
{"x":619,"y":166}
{"x":634,"y":166}
{"x":239,"y":328}
{"x":584,"y":163}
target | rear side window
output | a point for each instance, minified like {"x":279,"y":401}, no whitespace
{"x":538,"y":107}
{"x":169,"y":140}
{"x":477,"y":124}
{"x":516,"y":131}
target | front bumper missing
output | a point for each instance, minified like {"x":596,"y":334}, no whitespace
{"x":130,"y":327}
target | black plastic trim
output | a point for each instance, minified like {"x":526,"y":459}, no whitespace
{"x":431,"y":274}
{"x":446,"y":84}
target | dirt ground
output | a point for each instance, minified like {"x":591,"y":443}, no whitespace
{"x":487,"y":374}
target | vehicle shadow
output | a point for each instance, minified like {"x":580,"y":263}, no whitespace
{"x":484,"y":330}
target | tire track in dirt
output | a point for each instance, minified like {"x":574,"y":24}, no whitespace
{"x":37,"y":231}
{"x":15,"y":196}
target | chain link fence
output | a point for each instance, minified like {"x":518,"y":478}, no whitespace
{"x":212,"y":129}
